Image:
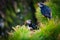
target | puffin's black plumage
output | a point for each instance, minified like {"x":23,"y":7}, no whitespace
{"x":46,"y":11}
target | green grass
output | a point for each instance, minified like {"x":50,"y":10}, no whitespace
{"x":20,"y":33}
{"x":49,"y":32}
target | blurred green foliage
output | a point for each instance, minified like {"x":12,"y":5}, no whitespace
{"x":48,"y":32}
{"x":50,"y":29}
{"x":12,"y":6}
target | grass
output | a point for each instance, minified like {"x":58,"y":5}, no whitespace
{"x":20,"y":33}
{"x":48,"y":32}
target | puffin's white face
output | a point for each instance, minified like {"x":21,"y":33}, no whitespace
{"x":28,"y":21}
{"x":40,"y":5}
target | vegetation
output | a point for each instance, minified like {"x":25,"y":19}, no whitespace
{"x":16,"y":12}
{"x":48,"y":32}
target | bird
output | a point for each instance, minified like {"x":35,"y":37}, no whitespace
{"x":31,"y":25}
{"x":45,"y":10}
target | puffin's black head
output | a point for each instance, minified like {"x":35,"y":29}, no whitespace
{"x":41,"y":5}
